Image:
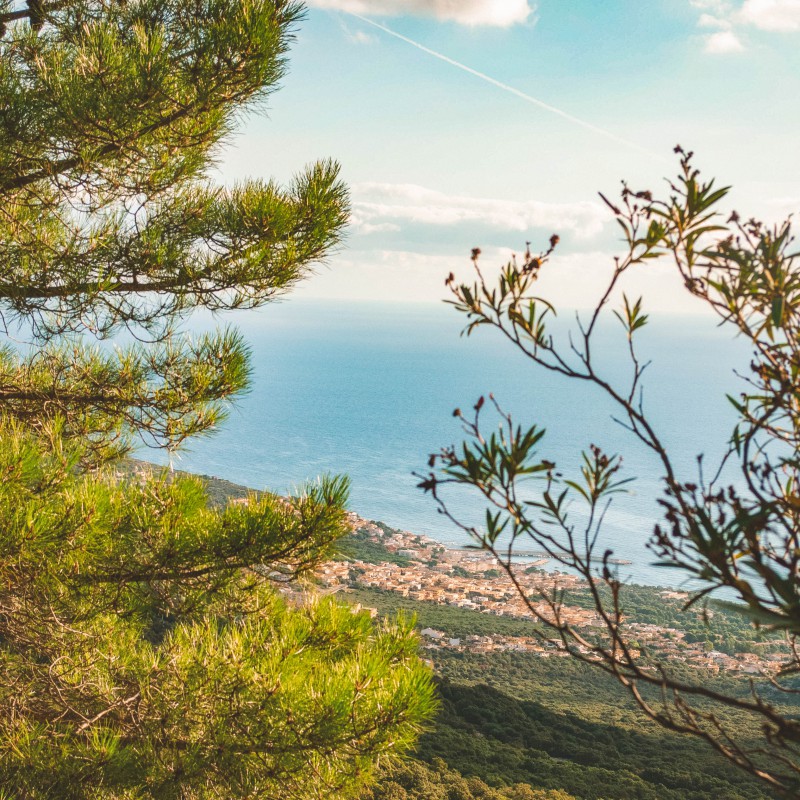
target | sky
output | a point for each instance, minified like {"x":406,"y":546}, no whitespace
{"x":489,"y":123}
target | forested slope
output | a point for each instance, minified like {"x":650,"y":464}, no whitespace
{"x":514,"y":726}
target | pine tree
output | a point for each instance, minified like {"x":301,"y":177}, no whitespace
{"x":144,"y":647}
{"x":110,"y":115}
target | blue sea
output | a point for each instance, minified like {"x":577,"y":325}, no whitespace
{"x":368,"y":390}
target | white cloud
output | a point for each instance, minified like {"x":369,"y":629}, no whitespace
{"x":500,"y":13}
{"x":377,"y":205}
{"x":717,"y":7}
{"x":710,"y":21}
{"x":718,"y":14}
{"x":356,"y":36}
{"x":362,"y":38}
{"x":377,"y":227}
{"x":781,"y":16}
{"x":723,"y":42}
{"x":771,"y":15}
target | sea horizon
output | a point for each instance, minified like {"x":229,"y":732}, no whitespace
{"x":368,"y":390}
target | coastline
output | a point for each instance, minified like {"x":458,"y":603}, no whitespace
{"x":399,"y":567}
{"x":472,"y":581}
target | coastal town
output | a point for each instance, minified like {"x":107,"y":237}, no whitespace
{"x":421,"y":569}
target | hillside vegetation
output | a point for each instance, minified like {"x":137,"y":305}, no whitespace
{"x":514,"y":726}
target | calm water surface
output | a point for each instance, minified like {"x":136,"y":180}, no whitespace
{"x":369,"y":391}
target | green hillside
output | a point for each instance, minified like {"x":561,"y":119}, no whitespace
{"x":514,"y":726}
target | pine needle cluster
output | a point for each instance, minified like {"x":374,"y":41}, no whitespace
{"x":146,"y":649}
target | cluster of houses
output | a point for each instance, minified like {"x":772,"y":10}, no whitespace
{"x":473,"y":580}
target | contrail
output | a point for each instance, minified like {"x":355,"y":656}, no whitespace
{"x":510,"y":89}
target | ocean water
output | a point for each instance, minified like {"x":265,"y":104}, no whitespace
{"x":369,"y":390}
